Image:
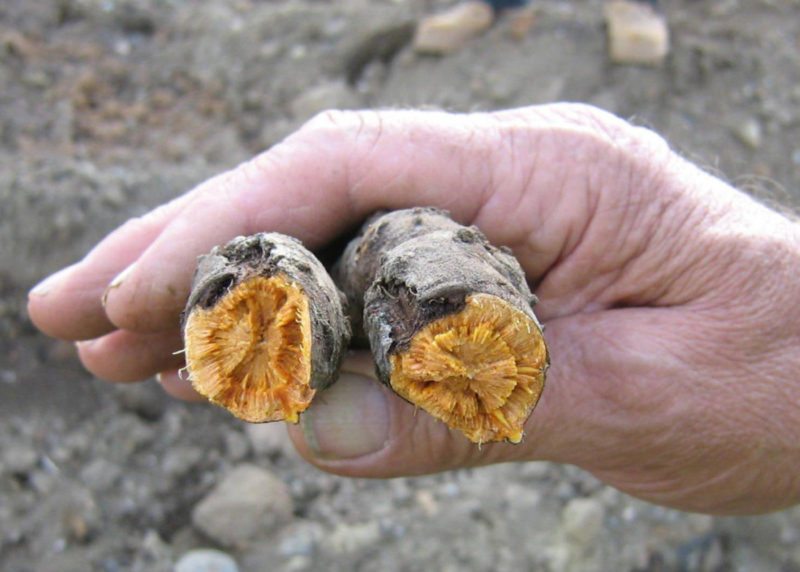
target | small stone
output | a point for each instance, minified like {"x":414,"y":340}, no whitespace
{"x":146,"y":400}
{"x":448,"y":31}
{"x":19,"y":459}
{"x":637,"y":34}
{"x":750,"y":133}
{"x":521,"y":21}
{"x":298,"y":563}
{"x":206,"y":560}
{"x":714,"y":558}
{"x":100,"y":475}
{"x":154,"y":547}
{"x":301,"y":540}
{"x":451,"y":490}
{"x":352,"y":538}
{"x":268,"y":439}
{"x":427,"y":502}
{"x":80,"y":517}
{"x":236,"y":446}
{"x":629,"y":513}
{"x":535,"y":470}
{"x":178,"y":461}
{"x":700,"y":524}
{"x":249,"y":500}
{"x":582,"y":520}
{"x":331,"y":95}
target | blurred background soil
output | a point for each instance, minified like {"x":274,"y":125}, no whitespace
{"x":109,"y":107}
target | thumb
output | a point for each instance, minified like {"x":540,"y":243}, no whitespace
{"x":360,"y":428}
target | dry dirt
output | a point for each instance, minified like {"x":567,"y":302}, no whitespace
{"x":109,"y":107}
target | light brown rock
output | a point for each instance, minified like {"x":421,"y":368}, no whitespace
{"x":637,"y":34}
{"x":448,"y":31}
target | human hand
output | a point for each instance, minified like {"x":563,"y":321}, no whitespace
{"x":668,"y":297}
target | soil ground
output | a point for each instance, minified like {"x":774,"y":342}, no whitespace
{"x":109,"y":107}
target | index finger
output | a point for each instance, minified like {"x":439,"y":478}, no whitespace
{"x":335,"y":171}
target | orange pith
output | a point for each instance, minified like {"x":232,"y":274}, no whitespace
{"x":251,"y":351}
{"x":480,"y":370}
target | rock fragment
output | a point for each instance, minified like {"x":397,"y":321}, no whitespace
{"x":637,"y":33}
{"x":249,"y":500}
{"x":206,"y":560}
{"x":447,"y":32}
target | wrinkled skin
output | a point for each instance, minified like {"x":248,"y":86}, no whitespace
{"x":669,"y":298}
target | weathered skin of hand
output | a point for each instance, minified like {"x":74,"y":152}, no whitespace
{"x":669,"y":297}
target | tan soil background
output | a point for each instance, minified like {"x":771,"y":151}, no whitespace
{"x":109,"y":107}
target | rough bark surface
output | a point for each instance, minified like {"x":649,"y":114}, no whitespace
{"x":410,"y":268}
{"x":357,"y":268}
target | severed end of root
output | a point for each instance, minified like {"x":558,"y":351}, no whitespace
{"x":251,"y":351}
{"x":480,"y":370}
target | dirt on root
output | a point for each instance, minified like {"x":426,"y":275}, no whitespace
{"x":110,"y":107}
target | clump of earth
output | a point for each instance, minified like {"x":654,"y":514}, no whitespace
{"x":110,"y":107}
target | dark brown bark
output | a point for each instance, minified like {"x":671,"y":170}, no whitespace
{"x":409,"y":269}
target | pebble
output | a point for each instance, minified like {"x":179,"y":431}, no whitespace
{"x":535,"y":470}
{"x":298,"y":563}
{"x":80,"y":516}
{"x":100,"y":474}
{"x":451,"y":490}
{"x":267,"y":439}
{"x":206,"y":560}
{"x":178,"y":461}
{"x":301,"y":540}
{"x":19,"y":459}
{"x":236,"y":446}
{"x":147,"y":400}
{"x":637,"y":34}
{"x":351,"y":538}
{"x":582,"y":520}
{"x":750,"y":133}
{"x":448,"y":31}
{"x":249,"y":500}
{"x":427,"y":502}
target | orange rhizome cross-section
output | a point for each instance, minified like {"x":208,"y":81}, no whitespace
{"x":251,"y":351}
{"x":480,"y":370}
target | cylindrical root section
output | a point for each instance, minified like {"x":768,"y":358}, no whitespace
{"x":264,"y":328}
{"x":450,"y":322}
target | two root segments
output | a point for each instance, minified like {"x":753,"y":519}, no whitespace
{"x":447,"y":315}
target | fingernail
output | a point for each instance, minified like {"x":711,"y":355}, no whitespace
{"x":349,"y":420}
{"x":49,"y":284}
{"x":117,"y":282}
